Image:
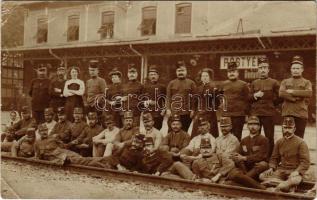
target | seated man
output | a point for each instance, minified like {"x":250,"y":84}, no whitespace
{"x":157,"y":162}
{"x":211,"y":167}
{"x":61,"y":130}
{"x":150,"y":131}
{"x":104,"y":141}
{"x":254,"y":150}
{"x":176,"y":139}
{"x":289,"y":160}
{"x":226,"y":143}
{"x":191,"y":152}
{"x":49,"y":119}
{"x":24,"y":147}
{"x":9,"y":139}
{"x":84,"y":141}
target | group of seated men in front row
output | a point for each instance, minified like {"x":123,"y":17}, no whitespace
{"x":202,"y":158}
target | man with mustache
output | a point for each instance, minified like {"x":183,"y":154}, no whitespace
{"x":263,"y":97}
{"x":24,"y":147}
{"x":290,"y":159}
{"x":178,"y":96}
{"x":62,"y":128}
{"x":254,"y":148}
{"x":296,"y":92}
{"x":153,"y":91}
{"x":236,"y":94}
{"x":150,"y":131}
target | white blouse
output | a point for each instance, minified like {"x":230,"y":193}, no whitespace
{"x":80,"y":91}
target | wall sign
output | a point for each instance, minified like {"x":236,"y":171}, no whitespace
{"x":243,"y":62}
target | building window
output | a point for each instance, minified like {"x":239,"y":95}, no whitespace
{"x":42,"y":29}
{"x":107,"y":23}
{"x":148,"y":25}
{"x":183,"y":18}
{"x":73,"y":28}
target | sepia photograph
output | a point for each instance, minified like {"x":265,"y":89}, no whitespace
{"x":158,"y":99}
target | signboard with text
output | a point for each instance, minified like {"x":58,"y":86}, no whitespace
{"x":243,"y":62}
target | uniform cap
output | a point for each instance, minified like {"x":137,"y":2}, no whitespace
{"x":92,"y":115}
{"x":153,"y":68}
{"x":128,"y":114}
{"x":42,"y":127}
{"x":139,"y":137}
{"x":48,"y":111}
{"x":41,"y":68}
{"x":115,"y":71}
{"x":61,"y":68}
{"x":148,"y":141}
{"x":147,"y":117}
{"x":131,"y":68}
{"x":288,"y":122}
{"x":78,"y":110}
{"x":297,"y":59}
{"x":202,"y":121}
{"x":25,"y":110}
{"x":232,"y":66}
{"x":93,"y":64}
{"x":30,"y":131}
{"x":205,"y":142}
{"x":263,"y":60}
{"x":225,"y":121}
{"x":175,"y":117}
{"x":253,"y":120}
{"x":60,"y":110}
{"x":180,"y":63}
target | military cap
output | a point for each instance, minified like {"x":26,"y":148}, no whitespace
{"x":232,"y":66}
{"x":60,"y":110}
{"x":61,"y":68}
{"x":30,"y":131}
{"x":108,"y":118}
{"x":93,"y":64}
{"x":115,"y":71}
{"x":205,"y":142}
{"x":180,"y":63}
{"x":263,"y":61}
{"x":153,"y":68}
{"x":147,"y":117}
{"x":175,"y":117}
{"x":25,"y":110}
{"x":288,"y":122}
{"x":131,"y":68}
{"x":139,"y":137}
{"x":41,"y":67}
{"x":253,"y":120}
{"x":42,"y":127}
{"x":202,"y":120}
{"x":225,"y":121}
{"x":148,"y":141}
{"x":128,"y":114}
{"x":92,"y":115}
{"x":78,"y":110}
{"x":297,"y":59}
{"x":48,"y":111}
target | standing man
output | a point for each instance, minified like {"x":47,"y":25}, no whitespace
{"x":131,"y":92}
{"x":296,"y":92}
{"x":154,"y":90}
{"x":263,"y":95}
{"x":178,"y":96}
{"x":236,"y":94}
{"x":39,"y":91}
{"x":95,"y":87}
{"x":56,"y":90}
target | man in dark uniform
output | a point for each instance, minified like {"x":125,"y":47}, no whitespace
{"x":84,"y":141}
{"x":56,"y":90}
{"x":253,"y":154}
{"x":114,"y":95}
{"x":179,"y":91}
{"x":296,"y":92}
{"x":153,"y":91}
{"x":290,"y":159}
{"x":95,"y":90}
{"x":131,"y":91}
{"x":236,"y":94}
{"x":24,"y":147}
{"x":176,"y":139}
{"x":39,"y":91}
{"x":263,"y":96}
{"x":61,"y":130}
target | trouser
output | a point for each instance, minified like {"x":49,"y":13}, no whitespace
{"x":268,"y":125}
{"x":255,"y":170}
{"x":300,"y":124}
{"x":238,"y":176}
{"x":101,"y":150}
{"x":6,"y":146}
{"x":38,"y":116}
{"x":237,"y":126}
{"x":186,"y":120}
{"x":104,"y":162}
{"x":180,"y":170}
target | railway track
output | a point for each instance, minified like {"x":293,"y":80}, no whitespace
{"x":180,"y":184}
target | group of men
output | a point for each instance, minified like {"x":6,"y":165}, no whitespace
{"x":112,"y":139}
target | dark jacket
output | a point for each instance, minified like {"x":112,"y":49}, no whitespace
{"x":153,"y":91}
{"x":39,"y":91}
{"x":56,"y":99}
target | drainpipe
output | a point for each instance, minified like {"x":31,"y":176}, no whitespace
{"x":56,"y":56}
{"x":143,"y":62}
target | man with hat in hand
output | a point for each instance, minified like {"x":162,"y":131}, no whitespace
{"x":296,"y":92}
{"x":24,"y":147}
{"x":290,"y":159}
{"x":236,"y":94}
{"x":176,"y":139}
{"x":56,"y":90}
{"x":61,"y":130}
{"x":114,"y":96}
{"x":150,"y":131}
{"x":181,"y":88}
{"x":155,"y":92}
{"x":263,"y":97}
{"x":131,"y":92}
{"x":254,"y":148}
{"x":226,"y":143}
{"x":95,"y":90}
{"x":39,"y":91}
{"x":103,"y":143}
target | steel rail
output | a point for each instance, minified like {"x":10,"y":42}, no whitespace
{"x":182,"y":184}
